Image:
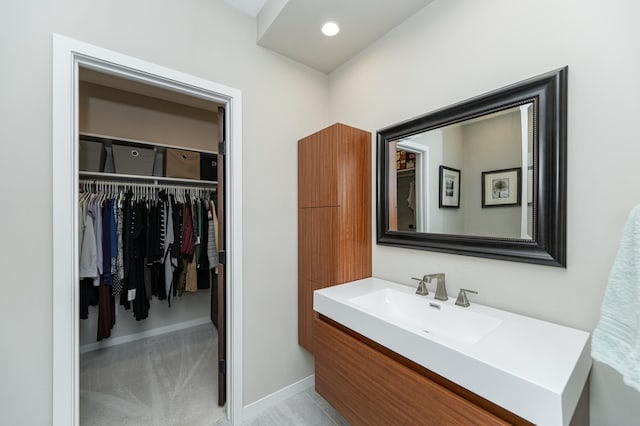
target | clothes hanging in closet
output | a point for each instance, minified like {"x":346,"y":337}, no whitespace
{"x":133,"y":248}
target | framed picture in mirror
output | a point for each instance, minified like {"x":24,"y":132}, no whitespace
{"x":449,"y":188}
{"x":501,"y":188}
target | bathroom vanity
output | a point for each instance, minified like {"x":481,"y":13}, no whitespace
{"x":387,"y":356}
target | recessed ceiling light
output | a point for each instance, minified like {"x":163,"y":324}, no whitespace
{"x":330,"y":29}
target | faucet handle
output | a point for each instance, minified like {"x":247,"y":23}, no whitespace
{"x":422,"y":287}
{"x":462,"y":299}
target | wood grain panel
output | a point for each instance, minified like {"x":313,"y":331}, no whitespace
{"x":369,"y":388}
{"x":306,"y":314}
{"x":317,"y":252}
{"x":354,"y":197}
{"x":334,"y":215}
{"x":318,"y":238}
{"x":318,"y":169}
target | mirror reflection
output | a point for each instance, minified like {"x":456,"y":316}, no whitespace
{"x":472,"y":178}
{"x":483,"y":177}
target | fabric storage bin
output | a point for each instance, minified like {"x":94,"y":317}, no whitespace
{"x":131,"y":160}
{"x":109,"y":167}
{"x":181,"y":163}
{"x":91,"y":156}
{"x":158,"y":162}
{"x":208,"y":167}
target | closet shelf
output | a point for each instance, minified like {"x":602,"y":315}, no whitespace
{"x":406,"y":170}
{"x":102,"y":138}
{"x":141,"y":178}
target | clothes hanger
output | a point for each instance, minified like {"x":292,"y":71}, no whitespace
{"x":83,"y":195}
{"x":99,"y":193}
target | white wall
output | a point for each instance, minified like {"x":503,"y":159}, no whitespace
{"x":282,"y":101}
{"x":453,"y":50}
{"x":122,"y":114}
{"x":441,"y":220}
{"x":452,"y":156}
{"x":493,"y":144}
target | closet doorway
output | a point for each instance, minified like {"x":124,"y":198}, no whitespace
{"x":73,"y":62}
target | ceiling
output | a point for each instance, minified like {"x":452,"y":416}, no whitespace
{"x":292,"y":27}
{"x":250,"y":7}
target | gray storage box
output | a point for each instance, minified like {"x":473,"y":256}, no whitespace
{"x":109,"y":167}
{"x":131,"y":160}
{"x":158,"y":164}
{"x":91,"y":156}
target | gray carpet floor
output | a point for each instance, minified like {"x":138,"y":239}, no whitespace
{"x":171,"y":380}
{"x":167,"y":380}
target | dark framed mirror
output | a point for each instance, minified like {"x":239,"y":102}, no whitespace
{"x":485,"y":177}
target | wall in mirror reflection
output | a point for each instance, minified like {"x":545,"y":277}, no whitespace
{"x":499,"y":141}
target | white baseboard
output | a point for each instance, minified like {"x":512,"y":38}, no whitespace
{"x":268,"y":401}
{"x":143,"y":334}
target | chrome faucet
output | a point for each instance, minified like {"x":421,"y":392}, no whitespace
{"x":441,"y":289}
{"x":462,"y":299}
{"x":422,"y":287}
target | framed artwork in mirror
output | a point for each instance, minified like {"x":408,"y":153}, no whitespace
{"x":501,"y":188}
{"x":449,"y":188}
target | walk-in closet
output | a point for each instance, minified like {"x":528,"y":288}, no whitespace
{"x":150,"y":254}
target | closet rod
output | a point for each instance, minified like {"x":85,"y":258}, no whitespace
{"x":146,"y":185}
{"x":101,"y":176}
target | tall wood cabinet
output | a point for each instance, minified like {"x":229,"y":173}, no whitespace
{"x":334,"y":215}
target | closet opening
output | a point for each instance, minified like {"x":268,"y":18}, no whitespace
{"x":147,"y":255}
{"x":151,"y":190}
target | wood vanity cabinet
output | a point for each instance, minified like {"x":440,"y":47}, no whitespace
{"x":371,"y":385}
{"x":334,"y":215}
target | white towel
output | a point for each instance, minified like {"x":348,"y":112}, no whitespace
{"x":616,"y":339}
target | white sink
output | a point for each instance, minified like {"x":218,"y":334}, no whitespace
{"x":533,"y":368}
{"x":453,"y":323}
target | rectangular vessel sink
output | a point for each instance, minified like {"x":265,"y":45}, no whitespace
{"x":450,"y":323}
{"x":533,"y":368}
